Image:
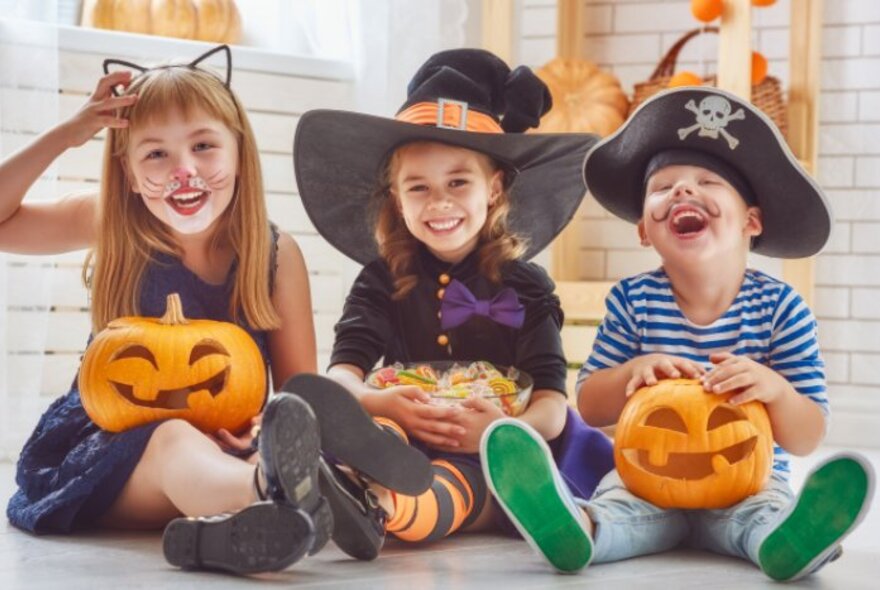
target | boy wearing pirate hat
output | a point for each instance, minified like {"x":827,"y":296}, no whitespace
{"x":444,"y":204}
{"x":706,"y":177}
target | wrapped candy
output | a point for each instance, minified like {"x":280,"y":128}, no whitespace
{"x":449,"y":384}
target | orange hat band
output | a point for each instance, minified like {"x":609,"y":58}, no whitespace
{"x":450,"y":114}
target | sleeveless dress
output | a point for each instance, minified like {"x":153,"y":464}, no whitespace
{"x":70,"y":471}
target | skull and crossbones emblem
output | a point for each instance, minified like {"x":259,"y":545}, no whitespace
{"x":713,"y":115}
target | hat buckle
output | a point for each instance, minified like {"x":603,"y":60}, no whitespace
{"x":462,"y":113}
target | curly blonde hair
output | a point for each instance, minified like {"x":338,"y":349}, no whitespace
{"x":496,"y":246}
{"x":129,"y":235}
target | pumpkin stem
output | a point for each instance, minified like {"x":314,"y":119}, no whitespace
{"x":173,"y":312}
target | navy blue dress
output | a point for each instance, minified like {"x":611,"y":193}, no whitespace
{"x":70,"y":471}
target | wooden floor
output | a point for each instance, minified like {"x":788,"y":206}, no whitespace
{"x":112,"y":559}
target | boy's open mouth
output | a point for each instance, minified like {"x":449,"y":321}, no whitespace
{"x":687,"y":221}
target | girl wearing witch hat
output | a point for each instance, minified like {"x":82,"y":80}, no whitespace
{"x":444,"y":204}
{"x":706,"y":177}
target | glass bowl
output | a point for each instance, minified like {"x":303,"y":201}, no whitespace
{"x":451,"y":382}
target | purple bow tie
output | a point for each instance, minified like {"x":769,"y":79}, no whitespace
{"x":459,"y":305}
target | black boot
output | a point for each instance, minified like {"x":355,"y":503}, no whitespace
{"x":289,"y":447}
{"x":358,"y":520}
{"x":262,"y":537}
{"x":350,"y":436}
{"x":267,"y":535}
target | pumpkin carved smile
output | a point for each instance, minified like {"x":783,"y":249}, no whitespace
{"x":691,"y":466}
{"x":140,"y":369}
{"x":174,"y":399}
{"x":678,"y":446}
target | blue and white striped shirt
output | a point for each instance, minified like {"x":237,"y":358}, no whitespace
{"x":768,"y":322}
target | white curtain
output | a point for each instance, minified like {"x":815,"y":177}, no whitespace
{"x":28,"y":105}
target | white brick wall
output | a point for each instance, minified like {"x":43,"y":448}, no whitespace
{"x":628,"y":37}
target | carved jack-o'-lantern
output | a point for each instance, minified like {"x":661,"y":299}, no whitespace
{"x":139,"y":370}
{"x":679,"y":447}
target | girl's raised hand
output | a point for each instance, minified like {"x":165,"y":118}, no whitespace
{"x":99,"y":111}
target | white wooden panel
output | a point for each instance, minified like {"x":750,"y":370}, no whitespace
{"x":63,"y":287}
{"x":327,"y":293}
{"x":321,"y":257}
{"x":324,"y":335}
{"x":278,"y":173}
{"x":274,"y":132}
{"x":79,"y":72}
{"x":36,"y":331}
{"x":75,"y":258}
{"x":288,"y":213}
{"x":25,"y":110}
{"x":577,"y":342}
{"x":51,"y":375}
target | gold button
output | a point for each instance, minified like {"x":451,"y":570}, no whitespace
{"x":444,"y":279}
{"x":439,"y":315}
{"x":441,"y":293}
{"x":442,"y":340}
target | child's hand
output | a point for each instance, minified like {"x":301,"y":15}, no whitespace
{"x":99,"y":111}
{"x":475,"y":418}
{"x":410,"y":407}
{"x":650,"y":368}
{"x":753,"y":380}
{"x":241,"y":445}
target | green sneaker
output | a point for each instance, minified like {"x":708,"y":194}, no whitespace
{"x":523,"y":477}
{"x":835,"y":497}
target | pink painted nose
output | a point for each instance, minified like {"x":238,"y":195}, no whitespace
{"x":181,"y":174}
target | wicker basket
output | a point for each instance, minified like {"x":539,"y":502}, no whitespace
{"x":767,"y":95}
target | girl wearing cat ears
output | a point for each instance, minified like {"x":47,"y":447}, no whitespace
{"x":181,"y":210}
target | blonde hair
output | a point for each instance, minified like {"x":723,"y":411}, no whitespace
{"x":129,"y":236}
{"x":496,"y":245}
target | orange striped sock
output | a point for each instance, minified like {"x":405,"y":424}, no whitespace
{"x":440,"y":511}
{"x":389,"y":424}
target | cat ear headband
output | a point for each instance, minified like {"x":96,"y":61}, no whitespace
{"x":224,"y":49}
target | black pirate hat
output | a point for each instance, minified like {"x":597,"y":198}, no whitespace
{"x":717,"y":130}
{"x":463,"y":97}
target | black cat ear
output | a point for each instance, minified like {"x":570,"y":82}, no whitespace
{"x":227,"y":53}
{"x":116,"y":65}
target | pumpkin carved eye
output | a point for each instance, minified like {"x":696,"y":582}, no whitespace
{"x":205,"y":348}
{"x":724,"y":415}
{"x":137,"y":351}
{"x":667,"y":419}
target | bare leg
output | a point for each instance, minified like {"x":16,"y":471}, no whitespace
{"x":182,"y":471}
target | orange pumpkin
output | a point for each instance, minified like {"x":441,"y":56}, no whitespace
{"x":759,"y":68}
{"x":139,"y":370}
{"x":679,"y":447}
{"x":684,"y":78}
{"x":208,"y":20}
{"x":707,"y":10}
{"x":585,"y":98}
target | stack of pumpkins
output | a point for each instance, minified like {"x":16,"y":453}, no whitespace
{"x":216,"y":21}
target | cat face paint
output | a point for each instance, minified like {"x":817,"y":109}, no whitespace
{"x":185,"y":170}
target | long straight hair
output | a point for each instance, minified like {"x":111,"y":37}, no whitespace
{"x":129,"y":236}
{"x":496,"y":244}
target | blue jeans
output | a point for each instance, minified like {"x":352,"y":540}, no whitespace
{"x":626,"y":526}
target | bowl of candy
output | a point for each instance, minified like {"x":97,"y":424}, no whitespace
{"x":449,"y":383}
